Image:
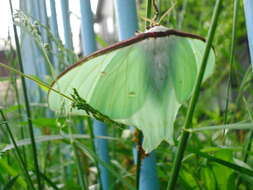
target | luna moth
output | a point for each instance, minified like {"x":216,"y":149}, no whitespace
{"x":140,"y":82}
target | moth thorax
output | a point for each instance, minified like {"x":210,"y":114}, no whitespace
{"x":158,"y":28}
{"x":159,"y":65}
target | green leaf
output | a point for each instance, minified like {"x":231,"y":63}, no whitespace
{"x":12,"y":172}
{"x":11,"y":182}
{"x":208,"y":178}
{"x":188,"y":178}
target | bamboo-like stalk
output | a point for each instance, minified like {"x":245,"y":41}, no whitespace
{"x":248,"y":9}
{"x":188,"y":121}
{"x":54,"y":30}
{"x":68,"y":43}
{"x":92,"y":135}
{"x":126,"y":16}
{"x":98,"y":128}
{"x":66,"y":24}
{"x":27,"y":105}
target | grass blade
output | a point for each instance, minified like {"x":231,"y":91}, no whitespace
{"x":10,"y":184}
{"x":236,"y":168}
{"x":93,"y":155}
{"x":194,"y":99}
{"x":234,"y":126}
{"x":52,"y":184}
{"x":27,"y":105}
{"x":22,"y":163}
{"x":231,"y":57}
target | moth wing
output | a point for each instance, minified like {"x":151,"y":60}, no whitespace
{"x":112,"y":83}
{"x":186,"y":56}
{"x":143,"y":84}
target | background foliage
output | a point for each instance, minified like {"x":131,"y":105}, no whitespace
{"x":60,"y":142}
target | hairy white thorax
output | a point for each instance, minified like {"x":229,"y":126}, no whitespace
{"x":158,"y":28}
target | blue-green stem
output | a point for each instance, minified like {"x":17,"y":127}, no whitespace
{"x":99,"y":129}
{"x":27,"y":105}
{"x":92,"y":136}
{"x":126,"y":17}
{"x":248,"y":10}
{"x":188,"y":121}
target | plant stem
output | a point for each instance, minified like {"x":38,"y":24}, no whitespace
{"x":231,"y":57}
{"x":22,"y":163}
{"x":139,"y":158}
{"x":188,"y":121}
{"x":94,"y":150}
{"x":181,"y":16}
{"x":248,"y":142}
{"x":83,"y":182}
{"x":148,"y":12}
{"x":27,"y":106}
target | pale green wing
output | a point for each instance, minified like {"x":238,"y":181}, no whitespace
{"x":183,"y":67}
{"x":184,"y":56}
{"x":121,"y":89}
{"x":107,"y":82}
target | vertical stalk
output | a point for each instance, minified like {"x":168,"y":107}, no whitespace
{"x":248,"y":10}
{"x":231,"y":56}
{"x":94,"y":150}
{"x":126,"y":16}
{"x":139,"y":157}
{"x":82,"y":180}
{"x":148,"y":12}
{"x":68,"y":43}
{"x":17,"y":96}
{"x":249,"y":140}
{"x":27,"y":105}
{"x":54,"y":30}
{"x":66,"y":24}
{"x":181,"y":16}
{"x":188,"y":121}
{"x":98,"y":128}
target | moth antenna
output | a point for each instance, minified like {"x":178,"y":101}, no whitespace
{"x":151,"y":21}
{"x":167,"y":12}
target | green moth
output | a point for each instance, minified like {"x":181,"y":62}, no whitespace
{"x":140,"y":82}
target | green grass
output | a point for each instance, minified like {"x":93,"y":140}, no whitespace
{"x":213,"y":132}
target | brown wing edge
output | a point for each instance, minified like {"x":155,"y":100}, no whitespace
{"x":124,"y":43}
